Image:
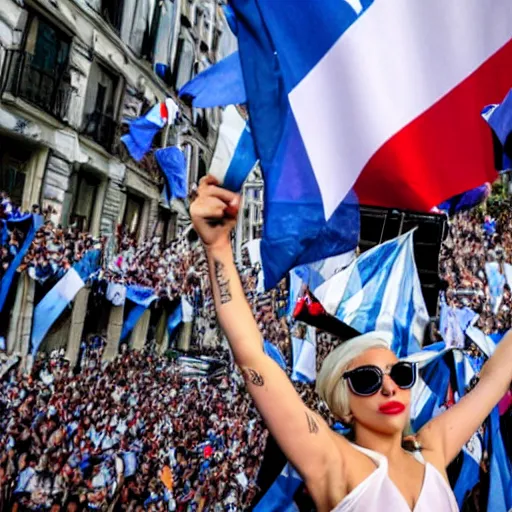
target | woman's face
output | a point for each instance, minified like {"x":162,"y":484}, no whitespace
{"x":387,"y":411}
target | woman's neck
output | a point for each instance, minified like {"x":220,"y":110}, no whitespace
{"x":388,"y":445}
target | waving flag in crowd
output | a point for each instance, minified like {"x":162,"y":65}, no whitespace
{"x":499,"y":118}
{"x":383,"y":99}
{"x":235,"y":155}
{"x":381,"y":291}
{"x":173,"y":164}
{"x":139,"y":139}
{"x":217,"y":86}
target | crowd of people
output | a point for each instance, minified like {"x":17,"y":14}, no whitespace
{"x":474,"y":239}
{"x":135,"y":433}
{"x":131,"y":435}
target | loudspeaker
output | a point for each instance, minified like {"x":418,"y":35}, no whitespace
{"x":381,"y":224}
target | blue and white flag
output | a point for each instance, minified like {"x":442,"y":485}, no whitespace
{"x":175,"y":319}
{"x":272,"y":351}
{"x":430,"y":392}
{"x":173,"y":165}
{"x":381,"y":291}
{"x":130,"y":463}
{"x":34,"y":223}
{"x":304,"y":357}
{"x":313,"y":275}
{"x":217,"y":86}
{"x":333,"y":112}
{"x":164,"y":38}
{"x":499,"y":118}
{"x":500,"y":478}
{"x":279,"y":497}
{"x":454,"y":323}
{"x":142,"y":298}
{"x":235,"y":155}
{"x":53,"y":304}
{"x":142,"y":131}
{"x":496,"y":282}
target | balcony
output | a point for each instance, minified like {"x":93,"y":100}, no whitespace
{"x":101,"y":128}
{"x":46,"y":89}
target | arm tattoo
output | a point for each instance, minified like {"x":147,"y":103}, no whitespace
{"x":254,"y":377}
{"x":312,"y":424}
{"x":222,"y":282}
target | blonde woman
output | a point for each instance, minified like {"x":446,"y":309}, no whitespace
{"x":363,"y":384}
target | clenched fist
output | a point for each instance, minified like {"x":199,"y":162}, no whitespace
{"x":214,"y":212}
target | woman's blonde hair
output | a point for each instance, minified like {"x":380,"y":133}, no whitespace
{"x":330,"y":386}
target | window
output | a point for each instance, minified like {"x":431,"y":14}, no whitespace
{"x":39,"y":71}
{"x":85,"y":197}
{"x":166,"y":226}
{"x":139,"y":25}
{"x":133,"y":214}
{"x":12,"y":172}
{"x":100,"y":110}
{"x":112,"y":11}
{"x":184,"y":62}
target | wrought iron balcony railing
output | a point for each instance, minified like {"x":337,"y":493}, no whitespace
{"x":50,"y":90}
{"x":102,"y":128}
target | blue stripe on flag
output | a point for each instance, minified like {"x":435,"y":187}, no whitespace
{"x":295,"y":229}
{"x":500,"y":481}
{"x":217,"y":86}
{"x":36,"y":222}
{"x":52,"y":305}
{"x":279,"y":497}
{"x":142,"y":131}
{"x":243,"y":161}
{"x":175,"y":319}
{"x":383,"y":293}
{"x":142,"y":298}
{"x":173,"y":164}
{"x":301,"y":37}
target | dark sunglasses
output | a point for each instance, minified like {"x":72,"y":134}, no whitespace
{"x":367,"y":380}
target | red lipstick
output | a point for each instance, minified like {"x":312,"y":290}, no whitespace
{"x":392,"y":407}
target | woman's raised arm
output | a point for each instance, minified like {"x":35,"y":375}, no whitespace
{"x":451,"y":430}
{"x":304,"y":437}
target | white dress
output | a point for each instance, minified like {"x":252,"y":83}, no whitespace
{"x":379,"y":493}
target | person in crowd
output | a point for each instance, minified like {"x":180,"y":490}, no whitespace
{"x":363,"y":383}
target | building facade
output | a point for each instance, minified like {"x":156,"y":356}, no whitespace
{"x":73,"y":73}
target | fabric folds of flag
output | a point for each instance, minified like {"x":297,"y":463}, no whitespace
{"x":296,"y":230}
{"x":142,"y":130}
{"x":53,"y":304}
{"x":401,"y":126}
{"x":217,"y":86}
{"x":141,"y":299}
{"x":31,"y":224}
{"x":279,"y":497}
{"x":234,"y":156}
{"x":499,"y":118}
{"x":381,"y":291}
{"x":173,"y":165}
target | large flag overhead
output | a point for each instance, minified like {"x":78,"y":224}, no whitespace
{"x":234,"y":156}
{"x":380,"y":97}
{"x":381,"y":291}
